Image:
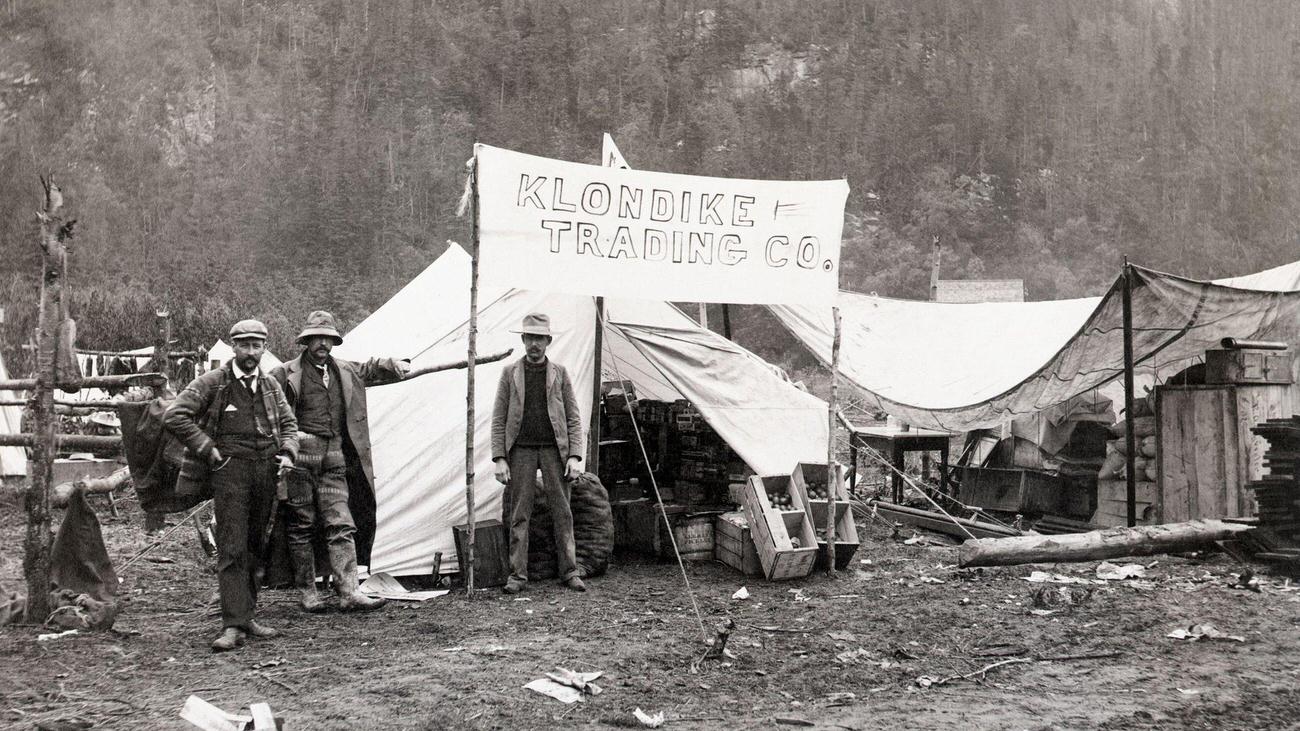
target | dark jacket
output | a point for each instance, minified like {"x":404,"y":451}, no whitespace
{"x":196,"y":413}
{"x":353,"y":378}
{"x":561,"y":406}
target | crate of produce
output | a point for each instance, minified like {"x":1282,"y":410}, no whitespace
{"x":809,"y":479}
{"x":778,"y":521}
{"x":733,"y":544}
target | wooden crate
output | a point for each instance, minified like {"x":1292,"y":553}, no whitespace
{"x":733,"y":544}
{"x":491,"y":556}
{"x":846,"y":531}
{"x":773,"y":530}
{"x":1112,"y":503}
{"x":1247,"y":367}
{"x":1206,"y":451}
{"x":1013,"y":490}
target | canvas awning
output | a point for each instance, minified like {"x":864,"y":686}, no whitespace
{"x":958,"y":367}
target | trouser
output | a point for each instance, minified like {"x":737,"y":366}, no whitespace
{"x":524,"y":462}
{"x":318,"y":490}
{"x":243,"y":492}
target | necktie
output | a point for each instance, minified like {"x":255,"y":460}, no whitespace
{"x":248,"y":382}
{"x":324,"y":375}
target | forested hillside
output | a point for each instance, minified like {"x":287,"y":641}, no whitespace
{"x":234,"y":157}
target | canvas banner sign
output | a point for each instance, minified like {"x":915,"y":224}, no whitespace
{"x":586,"y":229}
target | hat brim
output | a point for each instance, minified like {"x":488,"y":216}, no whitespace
{"x":534,"y":331}
{"x":248,"y":336}
{"x":314,"y":331}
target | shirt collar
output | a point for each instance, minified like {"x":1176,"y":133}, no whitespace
{"x":241,"y":374}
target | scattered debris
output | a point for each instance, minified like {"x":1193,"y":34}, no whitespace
{"x":1108,"y":571}
{"x":386,"y":586}
{"x":1203,"y":632}
{"x":842,"y":636}
{"x":1055,"y":597}
{"x":926,"y":681}
{"x":566,"y":686}
{"x":56,"y":635}
{"x":854,"y":657}
{"x":741,"y":593}
{"x":1042,"y":577}
{"x":648,"y":720}
{"x":787,"y":721}
{"x":1246,"y":580}
{"x":842,"y":698}
{"x":208,"y":717}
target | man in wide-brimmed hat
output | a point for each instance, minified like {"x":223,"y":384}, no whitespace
{"x":238,"y":430}
{"x":332,"y":488}
{"x":536,"y":424}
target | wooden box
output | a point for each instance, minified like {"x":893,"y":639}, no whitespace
{"x":734,"y":545}
{"x":784,"y":539}
{"x":1112,"y":503}
{"x":491,"y":555}
{"x":1247,"y":367}
{"x":1013,"y":490}
{"x":812,"y":476}
{"x":1206,"y":451}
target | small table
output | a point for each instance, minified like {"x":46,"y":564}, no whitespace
{"x":893,"y":444}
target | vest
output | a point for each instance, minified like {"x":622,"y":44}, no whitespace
{"x":320,"y":409}
{"x":535,"y":428}
{"x":245,"y":431}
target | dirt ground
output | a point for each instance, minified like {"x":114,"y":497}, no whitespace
{"x":853,"y":651}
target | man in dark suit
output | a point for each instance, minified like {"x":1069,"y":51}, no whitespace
{"x":333,"y":483}
{"x":536,"y":424}
{"x":238,"y":430}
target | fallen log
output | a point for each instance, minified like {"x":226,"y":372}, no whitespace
{"x":84,"y":442}
{"x":1096,"y":545}
{"x":62,"y":493}
{"x":940,"y":523}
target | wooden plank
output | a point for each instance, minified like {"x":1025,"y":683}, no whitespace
{"x":1174,"y":465}
{"x":1256,"y":404}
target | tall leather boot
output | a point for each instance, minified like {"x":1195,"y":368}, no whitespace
{"x":343,"y":560}
{"x":304,"y":578}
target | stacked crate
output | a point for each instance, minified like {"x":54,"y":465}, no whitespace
{"x":1277,"y":493}
{"x":779,"y":523}
{"x":1112,"y":483}
{"x":809,"y":479}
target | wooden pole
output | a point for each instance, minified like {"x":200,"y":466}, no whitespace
{"x":1130,"y":443}
{"x":133,"y":379}
{"x":726,"y":321}
{"x":934,"y":269}
{"x":832,"y":469}
{"x":38,"y":540}
{"x":162,"y":344}
{"x":593,"y":433}
{"x":704,"y":315}
{"x":62,"y":441}
{"x":469,"y":380}
{"x":1096,"y":545}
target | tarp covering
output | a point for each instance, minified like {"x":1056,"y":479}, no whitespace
{"x":220,"y":352}
{"x":958,"y":367}
{"x":13,"y":460}
{"x":418,"y":427}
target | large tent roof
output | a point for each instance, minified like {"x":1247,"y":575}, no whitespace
{"x":418,"y":427}
{"x":13,"y":460}
{"x":964,"y":366}
{"x":222,"y":352}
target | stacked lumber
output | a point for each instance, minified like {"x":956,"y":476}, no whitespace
{"x":1277,"y":493}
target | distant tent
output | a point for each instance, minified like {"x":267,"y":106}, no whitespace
{"x":13,"y":460}
{"x":418,"y":428}
{"x":220,"y":352}
{"x":959,"y":367}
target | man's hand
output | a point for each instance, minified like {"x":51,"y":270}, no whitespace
{"x":502,"y":471}
{"x":403,"y":368}
{"x":573,"y":468}
{"x":284,"y":462}
{"x":214,"y":457}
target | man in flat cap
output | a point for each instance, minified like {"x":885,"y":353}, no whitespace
{"x":536,"y":424}
{"x":238,"y":431}
{"x":332,"y":488}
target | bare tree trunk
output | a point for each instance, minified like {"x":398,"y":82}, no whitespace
{"x":38,"y":541}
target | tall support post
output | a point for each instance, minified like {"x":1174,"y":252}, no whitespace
{"x":1130,"y":442}
{"x":934,"y":268}
{"x":832,"y":469}
{"x":162,"y":344}
{"x":726,"y":321}
{"x":593,"y":432}
{"x":38,"y":541}
{"x":469,"y":379}
{"x":704,"y":315}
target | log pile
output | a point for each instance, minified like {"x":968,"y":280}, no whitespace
{"x":1277,"y":493}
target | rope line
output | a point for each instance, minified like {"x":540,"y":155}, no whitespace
{"x":636,"y":429}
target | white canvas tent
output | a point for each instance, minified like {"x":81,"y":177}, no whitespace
{"x":418,"y":427}
{"x":958,"y":367}
{"x":220,"y":352}
{"x":13,"y":460}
